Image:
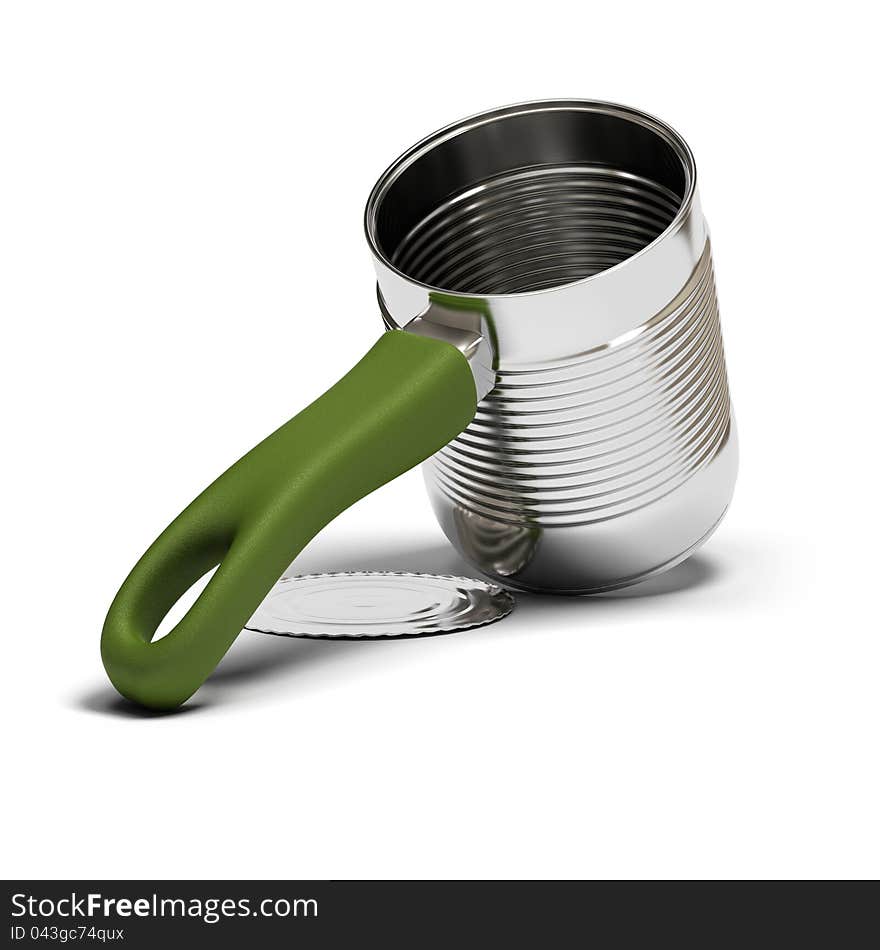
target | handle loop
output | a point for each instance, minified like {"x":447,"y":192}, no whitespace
{"x":401,"y":403}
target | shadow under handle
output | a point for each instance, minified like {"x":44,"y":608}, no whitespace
{"x":403,"y":401}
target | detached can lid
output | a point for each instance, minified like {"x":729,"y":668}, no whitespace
{"x":367,"y":605}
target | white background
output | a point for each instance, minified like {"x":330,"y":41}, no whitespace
{"x":182,"y":268}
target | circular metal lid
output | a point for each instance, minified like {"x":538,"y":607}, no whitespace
{"x":378,"y":604}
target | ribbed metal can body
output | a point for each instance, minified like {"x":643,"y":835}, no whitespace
{"x":607,"y":449}
{"x":590,"y":473}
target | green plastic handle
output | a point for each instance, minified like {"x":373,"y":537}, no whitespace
{"x":401,"y":403}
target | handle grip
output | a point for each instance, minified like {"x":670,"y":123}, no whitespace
{"x":401,"y":403}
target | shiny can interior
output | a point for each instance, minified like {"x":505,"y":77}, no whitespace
{"x":526,"y":199}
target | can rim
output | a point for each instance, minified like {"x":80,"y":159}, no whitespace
{"x":444,"y":134}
